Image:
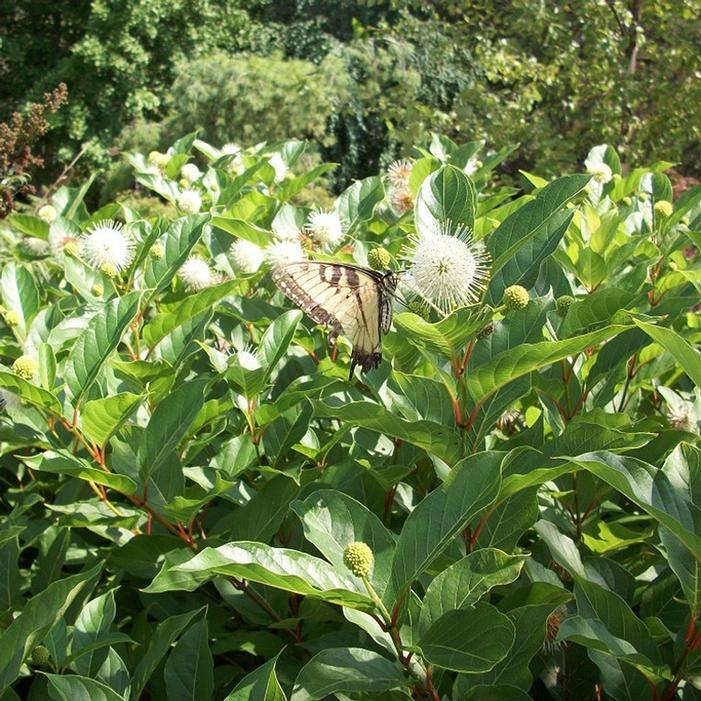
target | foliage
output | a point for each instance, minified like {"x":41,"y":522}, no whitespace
{"x":184,"y":460}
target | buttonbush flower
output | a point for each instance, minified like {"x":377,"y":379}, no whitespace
{"x":563,"y":304}
{"x":401,"y":200}
{"x":247,"y":359}
{"x":358,"y":558}
{"x":399,"y":172}
{"x":25,"y":367}
{"x":447,"y":269}
{"x":190,"y":201}
{"x":60,"y":238}
{"x":40,"y":656}
{"x":379,"y":258}
{"x":247,"y":256}
{"x":515,"y":297}
{"x":35,"y":246}
{"x":158,"y":159}
{"x":196,"y":274}
{"x":681,"y":415}
{"x":663,"y":209}
{"x":190,"y":172}
{"x":156,"y":251}
{"x":325,"y":228}
{"x":285,"y":231}
{"x":11,"y":317}
{"x":282,"y":252}
{"x":47,"y":213}
{"x":107,"y":245}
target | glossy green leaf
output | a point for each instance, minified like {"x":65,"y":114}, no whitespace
{"x":73,"y":687}
{"x":357,"y":203}
{"x":259,"y":685}
{"x":29,"y":392}
{"x":102,"y":418}
{"x":188,"y":672}
{"x":447,"y":194}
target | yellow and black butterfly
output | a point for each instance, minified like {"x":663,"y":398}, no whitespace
{"x":351,"y":300}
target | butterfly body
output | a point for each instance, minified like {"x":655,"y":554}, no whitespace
{"x":349,"y":299}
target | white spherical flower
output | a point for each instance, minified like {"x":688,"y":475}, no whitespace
{"x":190,"y":172}
{"x":190,"y":201}
{"x":247,"y":359}
{"x":682,"y":417}
{"x":601,"y":172}
{"x":325,"y":228}
{"x":47,"y":213}
{"x":285,"y":230}
{"x":399,"y":172}
{"x":279,"y":166}
{"x":59,"y":238}
{"x":247,"y":256}
{"x":282,"y":252}
{"x":35,"y":246}
{"x":107,"y":244}
{"x":401,"y":200}
{"x":196,"y":274}
{"x":447,"y":269}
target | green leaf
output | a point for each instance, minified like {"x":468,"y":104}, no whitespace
{"x":19,"y":294}
{"x":97,"y":342}
{"x":72,"y":687}
{"x":594,"y":309}
{"x":277,"y":338}
{"x":102,"y":418}
{"x":446,"y":194}
{"x":178,"y":241}
{"x":527,"y":357}
{"x":290,"y":570}
{"x":259,"y":685}
{"x":290,"y":188}
{"x":189,"y":671}
{"x":357,"y":203}
{"x":63,"y":462}
{"x":471,"y":486}
{"x":164,"y":636}
{"x":490,"y":692}
{"x":347,"y":670}
{"x":686,"y":567}
{"x":432,"y":437}
{"x":176,"y":315}
{"x":687,"y":356}
{"x":465,"y":582}
{"x":37,"y":618}
{"x":332,"y":520}
{"x":91,"y":626}
{"x":263,"y":515}
{"x":169,"y":424}
{"x":243,"y":230}
{"x":36,"y":396}
{"x":469,"y":640}
{"x":29,"y":224}
{"x":286,"y":430}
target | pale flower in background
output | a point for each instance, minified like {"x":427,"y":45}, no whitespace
{"x":399,"y":173}
{"x":247,"y":256}
{"x":107,"y":244}
{"x":282,"y":252}
{"x":190,"y":172}
{"x":279,"y":166}
{"x":47,"y":213}
{"x":325,"y":228}
{"x":601,"y":172}
{"x":447,"y":269}
{"x":196,"y":274}
{"x":284,"y":231}
{"x":681,"y":415}
{"x":401,"y":201}
{"x":35,"y":246}
{"x":230,"y":149}
{"x":189,"y":201}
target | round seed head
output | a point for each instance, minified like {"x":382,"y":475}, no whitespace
{"x":562,"y":304}
{"x":358,"y":558}
{"x":379,"y":258}
{"x":25,"y":367}
{"x":515,"y":297}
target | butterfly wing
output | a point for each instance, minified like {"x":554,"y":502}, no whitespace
{"x":349,"y":299}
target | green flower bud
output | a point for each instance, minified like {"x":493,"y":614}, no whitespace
{"x":684,"y":221}
{"x":488,"y":330}
{"x":97,"y":290}
{"x":25,"y":367}
{"x":562,"y":304}
{"x":379,"y":258}
{"x":515,"y":297}
{"x":71,"y":249}
{"x":12,"y":318}
{"x":40,"y":656}
{"x":663,"y":209}
{"x":643,"y":196}
{"x":358,"y":558}
{"x":156,"y":251}
{"x":626,"y":201}
{"x":183,"y":182}
{"x":109,"y":270}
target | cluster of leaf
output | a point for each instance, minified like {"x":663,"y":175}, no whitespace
{"x":174,"y":516}
{"x":555,"y":77}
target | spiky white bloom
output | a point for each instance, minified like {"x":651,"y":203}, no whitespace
{"x":399,"y":172}
{"x":282,"y":252}
{"x":59,"y":238}
{"x":601,"y":172}
{"x":285,"y":231}
{"x":9,"y":401}
{"x":35,"y":246}
{"x":247,"y":256}
{"x":190,"y":172}
{"x":230,"y":149}
{"x":279,"y":166}
{"x":401,"y":200}
{"x":196,"y":274}
{"x":189,"y":201}
{"x":447,"y":269}
{"x":325,"y":228}
{"x":47,"y":213}
{"x":681,"y":415}
{"x":247,"y":359}
{"x":107,"y":244}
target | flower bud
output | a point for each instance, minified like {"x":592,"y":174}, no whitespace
{"x":109,"y":270}
{"x":156,"y":251}
{"x":626,"y":201}
{"x":562,"y":304}
{"x":71,"y":249}
{"x":515,"y":297}
{"x":25,"y":367}
{"x":97,"y":290}
{"x":12,"y":318}
{"x":358,"y":558}
{"x":379,"y":258}
{"x":40,"y":656}
{"x":663,"y":209}
{"x":47,"y":213}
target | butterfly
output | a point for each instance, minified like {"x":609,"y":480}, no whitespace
{"x":351,"y":300}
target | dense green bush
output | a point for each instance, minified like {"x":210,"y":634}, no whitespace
{"x":198,"y":502}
